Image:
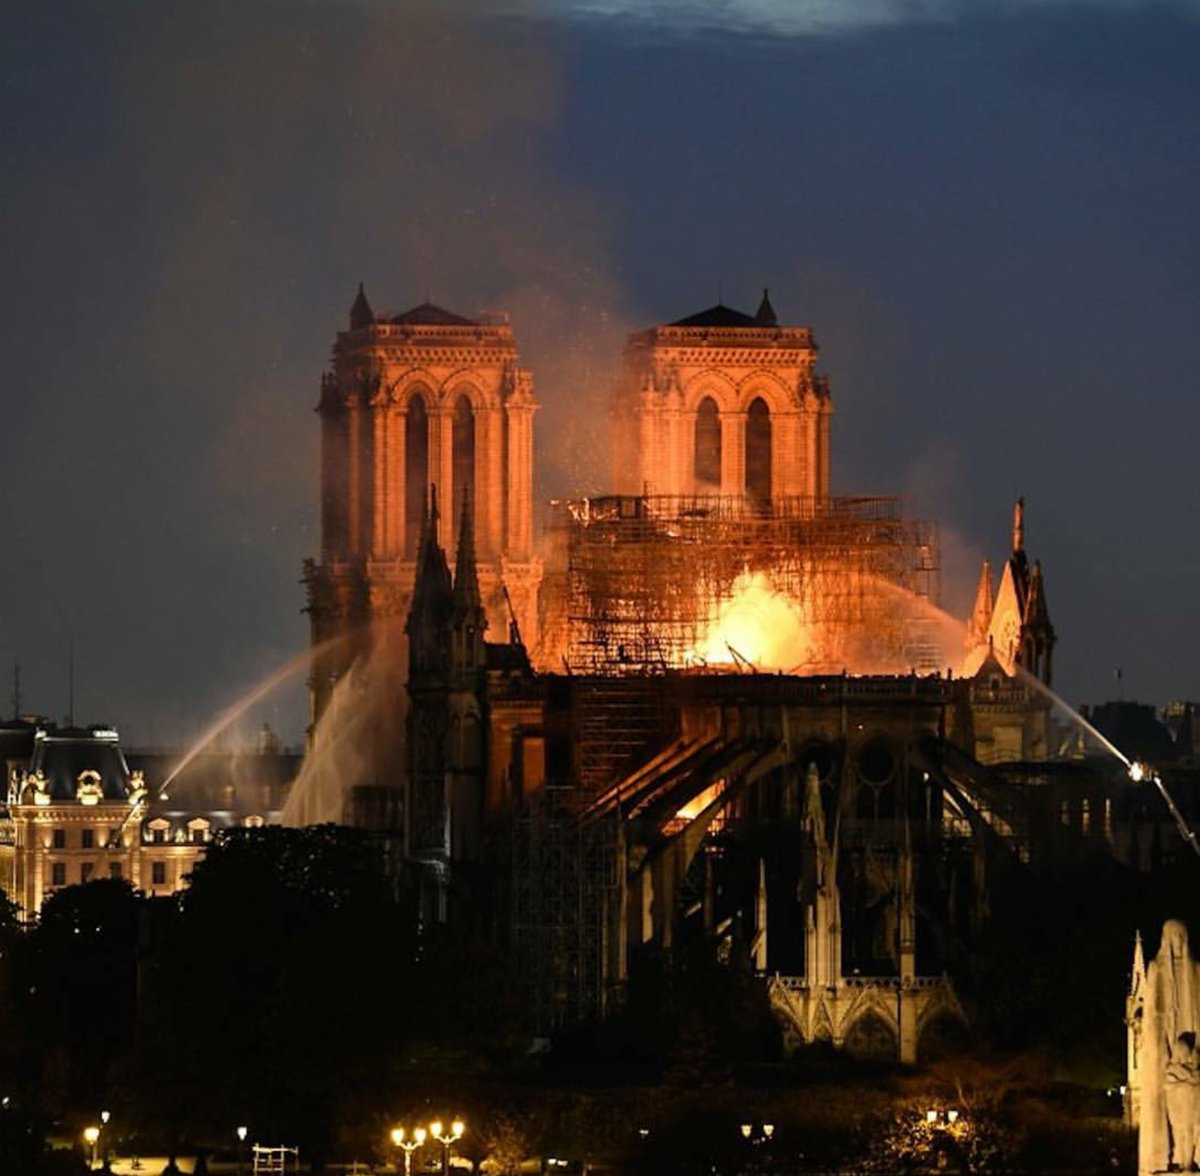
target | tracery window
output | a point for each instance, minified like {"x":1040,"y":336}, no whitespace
{"x":758,"y":452}
{"x":708,"y":446}
{"x":416,"y":470}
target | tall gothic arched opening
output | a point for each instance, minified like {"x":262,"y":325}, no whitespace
{"x":463,"y":472}
{"x":758,"y":453}
{"x":708,"y":446}
{"x":416,"y":470}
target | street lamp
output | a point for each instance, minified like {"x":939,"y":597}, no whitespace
{"x":409,"y":1145}
{"x":242,"y":1132}
{"x":91,"y":1135}
{"x":447,"y":1140}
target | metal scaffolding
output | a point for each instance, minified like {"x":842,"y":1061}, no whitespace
{"x":564,"y":891}
{"x":642,"y":577}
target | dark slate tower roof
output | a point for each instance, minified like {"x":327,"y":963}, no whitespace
{"x":725,"y":316}
{"x":428,"y":315}
{"x":718,"y":316}
{"x":62,"y":754}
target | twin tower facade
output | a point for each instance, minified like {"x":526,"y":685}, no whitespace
{"x":719,"y":403}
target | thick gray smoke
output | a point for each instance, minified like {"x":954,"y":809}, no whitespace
{"x":223,"y":174}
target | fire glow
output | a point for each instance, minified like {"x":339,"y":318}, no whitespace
{"x":755,"y":624}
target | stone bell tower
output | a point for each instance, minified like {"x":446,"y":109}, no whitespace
{"x":724,"y":403}
{"x":414,"y":400}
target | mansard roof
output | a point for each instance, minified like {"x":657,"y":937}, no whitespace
{"x":62,"y":754}
{"x":428,"y":315}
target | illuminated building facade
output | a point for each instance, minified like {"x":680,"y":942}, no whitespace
{"x":817,"y":802}
{"x":414,"y":400}
{"x":78,"y":810}
{"x":724,"y":403}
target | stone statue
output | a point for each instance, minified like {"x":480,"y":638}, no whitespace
{"x":1181,"y":1092}
{"x":1164,"y":1078}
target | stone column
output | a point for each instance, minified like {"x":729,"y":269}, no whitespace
{"x":397,"y":474}
{"x":441,"y":471}
{"x":648,"y":456}
{"x":733,"y":453}
{"x":687,"y":452}
{"x":674,"y":444}
{"x":354,"y":537}
{"x":489,"y":482}
{"x":379,"y":520}
{"x":812,"y":453}
{"x":520,"y":480}
{"x":823,"y":452}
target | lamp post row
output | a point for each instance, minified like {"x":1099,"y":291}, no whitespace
{"x":409,"y":1143}
{"x":400,"y":1137}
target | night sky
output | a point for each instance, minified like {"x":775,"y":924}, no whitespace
{"x":985,"y":211}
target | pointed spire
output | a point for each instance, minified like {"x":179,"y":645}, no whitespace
{"x":433,"y":572}
{"x":1036,"y":610}
{"x":361,"y":314}
{"x":766,"y":312}
{"x":1018,"y":533}
{"x":985,"y":603}
{"x":466,"y":575}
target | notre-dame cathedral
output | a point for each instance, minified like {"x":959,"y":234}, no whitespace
{"x":720,"y":703}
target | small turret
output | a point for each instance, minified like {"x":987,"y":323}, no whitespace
{"x":765,"y":315}
{"x":361,"y":314}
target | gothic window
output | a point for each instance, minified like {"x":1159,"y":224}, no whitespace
{"x":416,"y":470}
{"x":463,"y":474}
{"x":708,"y":446}
{"x":758,"y":453}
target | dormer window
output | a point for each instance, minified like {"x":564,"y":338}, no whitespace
{"x":198,"y":830}
{"x":90,"y":789}
{"x":160,"y":831}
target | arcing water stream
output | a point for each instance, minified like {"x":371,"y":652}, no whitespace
{"x":1138,"y":771}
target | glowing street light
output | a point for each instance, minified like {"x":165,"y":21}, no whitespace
{"x":242,"y":1132}
{"x":447,"y":1140}
{"x":91,"y":1135}
{"x":401,"y":1140}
